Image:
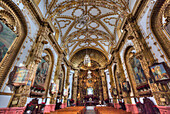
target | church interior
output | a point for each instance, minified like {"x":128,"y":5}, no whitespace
{"x":84,"y":56}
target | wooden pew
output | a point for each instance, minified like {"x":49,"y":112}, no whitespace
{"x":70,"y":110}
{"x":110,"y":110}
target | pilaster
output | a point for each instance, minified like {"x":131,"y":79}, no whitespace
{"x":104,"y":85}
{"x":75,"y":84}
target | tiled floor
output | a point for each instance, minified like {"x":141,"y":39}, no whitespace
{"x":90,"y":110}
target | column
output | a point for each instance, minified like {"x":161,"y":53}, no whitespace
{"x":104,"y":85}
{"x":75,"y":84}
{"x":112,"y":83}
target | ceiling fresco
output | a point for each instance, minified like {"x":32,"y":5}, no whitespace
{"x":86,"y":23}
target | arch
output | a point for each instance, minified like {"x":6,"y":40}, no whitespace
{"x":106,"y":54}
{"x":156,"y":26}
{"x":19,"y":22}
{"x":94,"y":54}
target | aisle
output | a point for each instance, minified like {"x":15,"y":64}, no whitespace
{"x":90,"y":110}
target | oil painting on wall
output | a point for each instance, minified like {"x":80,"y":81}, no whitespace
{"x":19,"y":76}
{"x":42,"y":72}
{"x":159,"y":72}
{"x":137,"y":70}
{"x":7,"y":36}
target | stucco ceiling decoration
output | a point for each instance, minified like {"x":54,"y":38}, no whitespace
{"x":95,"y":20}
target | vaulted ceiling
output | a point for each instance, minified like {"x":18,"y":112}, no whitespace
{"x":86,"y":23}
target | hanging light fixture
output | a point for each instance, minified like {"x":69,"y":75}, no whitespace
{"x":87,"y":61}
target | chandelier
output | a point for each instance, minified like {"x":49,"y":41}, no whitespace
{"x":83,"y":20}
{"x":87,"y":61}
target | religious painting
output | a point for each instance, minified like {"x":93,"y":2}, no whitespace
{"x":7,"y":36}
{"x":19,"y":76}
{"x":137,"y":70}
{"x":42,"y":72}
{"x":159,"y":71}
{"x":126,"y":86}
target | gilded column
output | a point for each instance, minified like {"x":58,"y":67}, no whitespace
{"x":75,"y":84}
{"x":58,"y":68}
{"x":112,"y":83}
{"x":67,"y":78}
{"x":104,"y":85}
{"x":119,"y":73}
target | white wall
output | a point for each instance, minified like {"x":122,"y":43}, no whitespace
{"x":4,"y":100}
{"x":131,"y":4}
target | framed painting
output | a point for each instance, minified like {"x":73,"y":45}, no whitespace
{"x":160,"y":71}
{"x":126,"y":86}
{"x":7,"y":36}
{"x":19,"y":76}
{"x":137,"y":70}
{"x":42,"y":72}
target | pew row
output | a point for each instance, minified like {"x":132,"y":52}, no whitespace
{"x":70,"y":110}
{"x":110,"y":110}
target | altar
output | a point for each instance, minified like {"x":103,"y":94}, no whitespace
{"x":91,"y":100}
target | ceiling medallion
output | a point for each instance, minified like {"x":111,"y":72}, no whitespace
{"x":83,"y":19}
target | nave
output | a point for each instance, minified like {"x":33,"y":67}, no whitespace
{"x":60,"y":56}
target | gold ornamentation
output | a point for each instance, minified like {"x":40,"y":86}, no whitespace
{"x":65,"y":23}
{"x":108,"y":20}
